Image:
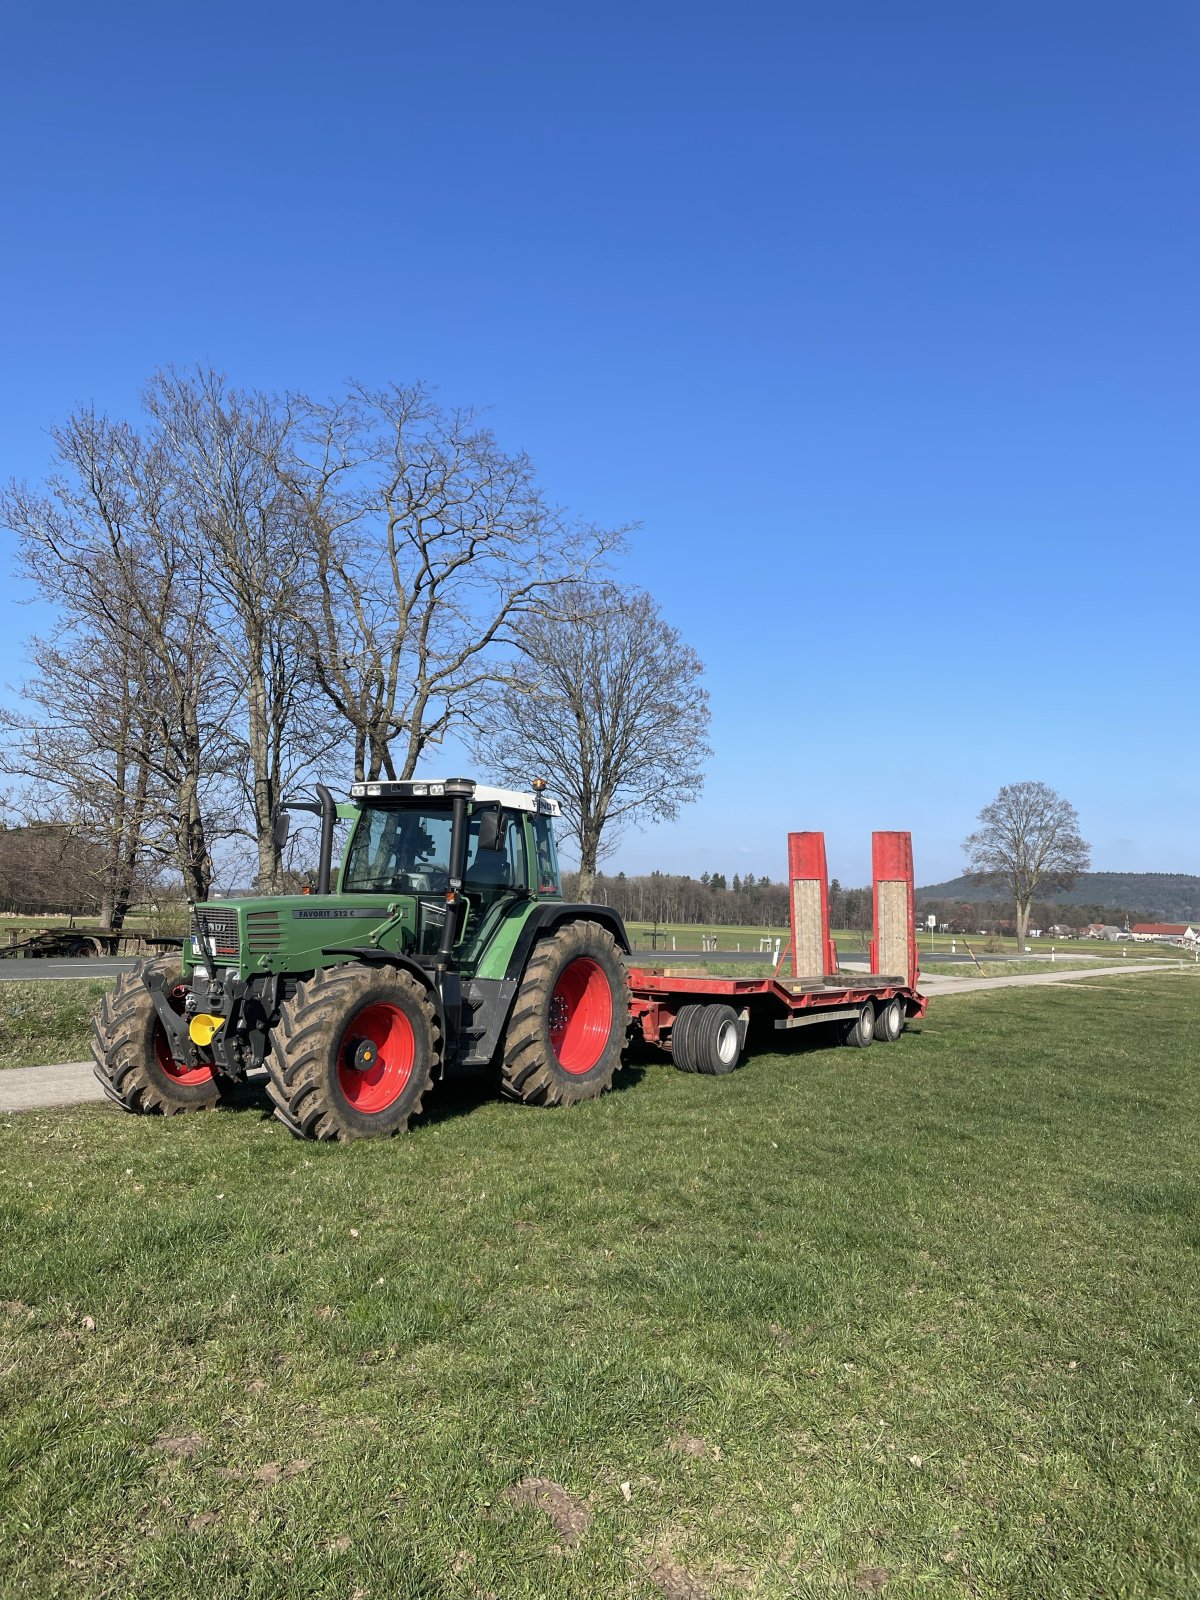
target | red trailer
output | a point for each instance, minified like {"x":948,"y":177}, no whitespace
{"x":703,"y":1022}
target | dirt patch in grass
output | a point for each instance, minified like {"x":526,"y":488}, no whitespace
{"x":677,"y":1583}
{"x":571,"y":1517}
{"x":180,"y":1445}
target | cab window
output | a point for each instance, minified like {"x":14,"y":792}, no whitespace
{"x":548,"y":879}
{"x":502,"y":868}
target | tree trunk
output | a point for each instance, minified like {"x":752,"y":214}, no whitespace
{"x":589,"y":844}
{"x":1024,"y":908}
{"x":262,"y":786}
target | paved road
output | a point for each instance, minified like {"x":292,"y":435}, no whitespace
{"x":18,"y":970}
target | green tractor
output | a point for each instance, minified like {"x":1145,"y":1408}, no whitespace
{"x":445,"y":941}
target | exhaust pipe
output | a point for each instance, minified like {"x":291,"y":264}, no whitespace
{"x":328,"y":823}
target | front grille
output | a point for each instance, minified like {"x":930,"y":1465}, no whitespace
{"x":222,"y":929}
{"x":264,"y":936}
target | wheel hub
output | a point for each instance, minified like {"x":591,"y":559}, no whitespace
{"x":364,"y":1053}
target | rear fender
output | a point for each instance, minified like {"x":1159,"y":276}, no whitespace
{"x":547,"y":918}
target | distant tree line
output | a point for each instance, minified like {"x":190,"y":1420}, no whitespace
{"x":717,"y":901}
{"x":987,"y":916}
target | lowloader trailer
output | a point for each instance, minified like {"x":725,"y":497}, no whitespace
{"x":703,"y":1022}
{"x":446,"y":941}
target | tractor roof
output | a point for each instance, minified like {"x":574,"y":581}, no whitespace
{"x":435,"y":789}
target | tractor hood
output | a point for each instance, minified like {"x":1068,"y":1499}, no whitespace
{"x":286,"y":933}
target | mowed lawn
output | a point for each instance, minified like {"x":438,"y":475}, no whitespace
{"x":47,"y":1020}
{"x":915,"y":1321}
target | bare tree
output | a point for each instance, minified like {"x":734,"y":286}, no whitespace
{"x":613,"y":714}
{"x":427,"y":544}
{"x":131,"y":691}
{"x":1029,"y":840}
{"x":227,"y":450}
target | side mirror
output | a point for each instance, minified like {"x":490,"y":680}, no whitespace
{"x":490,"y":829}
{"x":281,"y":829}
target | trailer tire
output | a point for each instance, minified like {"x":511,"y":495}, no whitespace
{"x":683,"y":1038}
{"x":861,"y":1032}
{"x":131,"y":1055}
{"x":889,"y":1021}
{"x":569,"y":1020}
{"x":353,"y":1053}
{"x":717,"y":1045}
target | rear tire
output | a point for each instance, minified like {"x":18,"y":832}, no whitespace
{"x":131,"y":1053}
{"x":861,"y":1032}
{"x":889,"y":1021}
{"x":564,"y":1038}
{"x":353,"y":1053}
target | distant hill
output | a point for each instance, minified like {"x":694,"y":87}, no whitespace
{"x":1166,"y":896}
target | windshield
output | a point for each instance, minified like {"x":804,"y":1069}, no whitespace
{"x":406,"y":850}
{"x":400,"y":849}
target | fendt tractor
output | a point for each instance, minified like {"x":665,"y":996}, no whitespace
{"x":446,"y":941}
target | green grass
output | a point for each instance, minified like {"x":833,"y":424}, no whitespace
{"x":922,"y":1316}
{"x":1012,"y":968}
{"x":48,"y":1020}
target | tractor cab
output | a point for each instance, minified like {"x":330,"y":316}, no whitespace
{"x":404,"y":843}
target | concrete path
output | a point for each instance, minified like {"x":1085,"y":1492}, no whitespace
{"x":31,"y":1088}
{"x":932,"y":985}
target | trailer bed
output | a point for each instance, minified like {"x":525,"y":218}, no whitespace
{"x":656,"y":998}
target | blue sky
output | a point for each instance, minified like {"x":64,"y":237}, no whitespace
{"x":881,"y":320}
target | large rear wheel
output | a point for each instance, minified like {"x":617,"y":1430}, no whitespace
{"x":132,"y":1055}
{"x":569,"y":1019}
{"x":353,"y":1053}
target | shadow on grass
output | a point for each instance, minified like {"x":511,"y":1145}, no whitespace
{"x":463,"y":1091}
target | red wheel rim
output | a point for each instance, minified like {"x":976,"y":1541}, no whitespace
{"x":380,"y":1085}
{"x":175,"y":1070}
{"x":581,"y":1014}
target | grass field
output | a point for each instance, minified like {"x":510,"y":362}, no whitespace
{"x":48,"y":1020}
{"x":918,"y":1320}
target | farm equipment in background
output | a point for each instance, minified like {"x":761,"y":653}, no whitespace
{"x":446,"y":942}
{"x":72,"y":943}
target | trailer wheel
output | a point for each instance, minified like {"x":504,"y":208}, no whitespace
{"x":353,"y":1053}
{"x":683,"y":1038}
{"x":564,"y":1038}
{"x":717,"y":1044}
{"x":861,"y":1032}
{"x":131,"y":1053}
{"x":889,"y":1021}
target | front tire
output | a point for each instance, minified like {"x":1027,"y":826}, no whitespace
{"x":707,"y":1039}
{"x":569,"y":1019}
{"x":353,"y":1053}
{"x":132,"y":1055}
